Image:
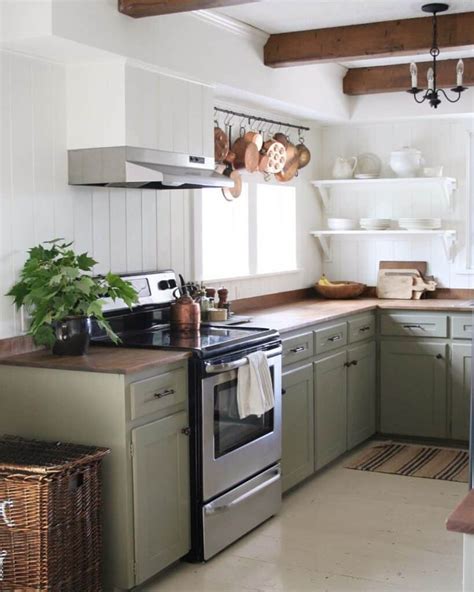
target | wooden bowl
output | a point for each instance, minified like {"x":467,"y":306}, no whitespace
{"x":340,"y":290}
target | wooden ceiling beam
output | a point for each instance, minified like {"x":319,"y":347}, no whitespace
{"x":370,"y":40}
{"x":141,"y":8}
{"x":396,"y":78}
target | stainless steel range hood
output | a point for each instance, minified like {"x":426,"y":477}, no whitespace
{"x":126,"y":166}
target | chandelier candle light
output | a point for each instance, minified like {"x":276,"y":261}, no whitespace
{"x":432,"y":93}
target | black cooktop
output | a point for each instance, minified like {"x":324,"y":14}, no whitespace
{"x":210,"y":340}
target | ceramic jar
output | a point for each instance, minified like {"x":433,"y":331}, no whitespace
{"x":406,"y":162}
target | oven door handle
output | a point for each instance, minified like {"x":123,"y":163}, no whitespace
{"x":227,"y":366}
{"x":210,"y":509}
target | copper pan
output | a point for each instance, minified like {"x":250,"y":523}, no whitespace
{"x":304,"y":155}
{"x":221,"y":144}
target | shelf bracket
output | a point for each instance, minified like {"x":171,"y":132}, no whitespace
{"x":325,"y":243}
{"x":449,"y":187}
{"x":449,"y":243}
{"x":325,"y":193}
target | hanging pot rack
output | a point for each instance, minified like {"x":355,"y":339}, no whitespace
{"x":255,"y":118}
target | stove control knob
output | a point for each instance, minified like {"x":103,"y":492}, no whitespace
{"x":172,"y":284}
{"x":163,"y":285}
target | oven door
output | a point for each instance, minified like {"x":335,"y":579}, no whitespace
{"x":235,"y":449}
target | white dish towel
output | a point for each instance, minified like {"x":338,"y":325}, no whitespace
{"x":255,"y":394}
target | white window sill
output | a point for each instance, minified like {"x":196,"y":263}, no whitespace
{"x":253,"y":276}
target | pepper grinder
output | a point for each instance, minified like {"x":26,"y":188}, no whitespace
{"x":222,"y":293}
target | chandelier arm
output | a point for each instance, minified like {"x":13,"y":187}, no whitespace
{"x":423,"y":98}
{"x":448,"y":98}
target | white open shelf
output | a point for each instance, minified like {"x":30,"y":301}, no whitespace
{"x":447,"y":236}
{"x":446,"y":184}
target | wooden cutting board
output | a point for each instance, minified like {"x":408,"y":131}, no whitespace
{"x":422,"y":266}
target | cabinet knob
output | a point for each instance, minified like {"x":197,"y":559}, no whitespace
{"x":439,"y":356}
{"x":283,"y":391}
{"x":347,"y":364}
{"x":186,"y":431}
{"x":354,"y":363}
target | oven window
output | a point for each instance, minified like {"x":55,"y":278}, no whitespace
{"x":231,"y":432}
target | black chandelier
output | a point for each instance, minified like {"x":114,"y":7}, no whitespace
{"x":432,"y":93}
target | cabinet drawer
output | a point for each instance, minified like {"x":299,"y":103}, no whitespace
{"x":154,"y":394}
{"x":330,"y":338}
{"x":414,"y":325}
{"x":461,"y":327}
{"x":362,"y":328}
{"x":297,"y":348}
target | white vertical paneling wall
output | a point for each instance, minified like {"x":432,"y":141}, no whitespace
{"x":442,"y":141}
{"x":124,"y":230}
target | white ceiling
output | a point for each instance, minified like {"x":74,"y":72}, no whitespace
{"x":280,"y":16}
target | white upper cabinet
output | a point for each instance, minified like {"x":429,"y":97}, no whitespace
{"x":113,"y":104}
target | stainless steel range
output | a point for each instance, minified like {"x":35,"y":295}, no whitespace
{"x":236,"y":477}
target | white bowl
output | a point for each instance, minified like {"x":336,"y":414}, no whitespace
{"x":433,"y":171}
{"x":342,"y":223}
{"x":420,"y":223}
{"x":375,"y":223}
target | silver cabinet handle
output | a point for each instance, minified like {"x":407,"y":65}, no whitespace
{"x":165,"y":393}
{"x":335,"y":338}
{"x":213,"y":509}
{"x":412,"y":327}
{"x":297,"y":350}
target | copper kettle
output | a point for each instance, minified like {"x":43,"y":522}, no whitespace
{"x":185,"y":314}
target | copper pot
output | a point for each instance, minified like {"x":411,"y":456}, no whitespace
{"x":185,"y":315}
{"x":304,"y":155}
{"x":256,"y":138}
{"x":290,"y":171}
{"x":246,"y":154}
{"x":282,"y":138}
{"x":230,"y":156}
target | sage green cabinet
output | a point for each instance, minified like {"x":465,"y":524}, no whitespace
{"x":298,"y":426}
{"x":330,"y":408}
{"x":461,"y":358}
{"x":414,"y":388}
{"x":160,"y":464}
{"x":361,"y":393}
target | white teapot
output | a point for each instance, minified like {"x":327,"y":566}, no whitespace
{"x":344,"y":168}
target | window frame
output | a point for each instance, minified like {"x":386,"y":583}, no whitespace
{"x":252,"y":181}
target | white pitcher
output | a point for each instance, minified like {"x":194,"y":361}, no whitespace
{"x":344,"y":168}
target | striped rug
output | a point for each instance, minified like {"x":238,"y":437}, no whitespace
{"x":430,"y":462}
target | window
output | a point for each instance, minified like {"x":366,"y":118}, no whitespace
{"x":254,"y":234}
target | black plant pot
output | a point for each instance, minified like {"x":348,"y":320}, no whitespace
{"x":72,"y":336}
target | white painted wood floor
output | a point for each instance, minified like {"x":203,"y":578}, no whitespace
{"x":342,"y":531}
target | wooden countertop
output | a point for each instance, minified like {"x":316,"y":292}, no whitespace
{"x":287,"y":317}
{"x":109,"y":360}
{"x":304,"y":313}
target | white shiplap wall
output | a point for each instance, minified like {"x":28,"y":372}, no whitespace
{"x":442,"y":141}
{"x":125,"y":230}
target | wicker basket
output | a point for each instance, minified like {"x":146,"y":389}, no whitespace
{"x":50,"y":527}
{"x":342,"y":290}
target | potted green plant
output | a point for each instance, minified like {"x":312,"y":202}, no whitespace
{"x":58,"y":290}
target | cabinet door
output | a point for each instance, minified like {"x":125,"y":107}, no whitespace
{"x":460,"y":390}
{"x":360,"y":393}
{"x":413,"y":388}
{"x":330,"y":408}
{"x":161,"y":494}
{"x":298,"y":426}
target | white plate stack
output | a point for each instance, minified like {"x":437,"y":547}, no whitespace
{"x":375,"y":223}
{"x":420,"y":223}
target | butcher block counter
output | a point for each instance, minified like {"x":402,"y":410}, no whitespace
{"x":108,"y":360}
{"x":304,"y":313}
